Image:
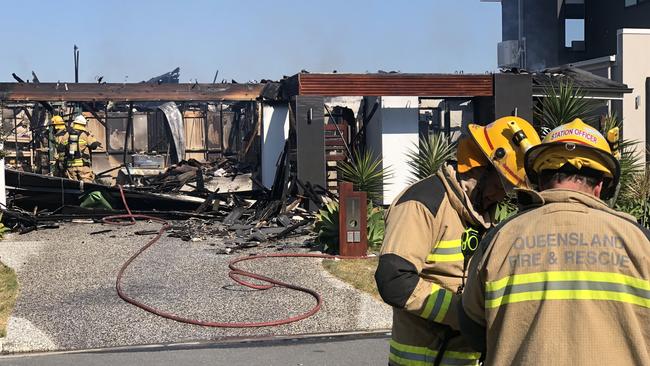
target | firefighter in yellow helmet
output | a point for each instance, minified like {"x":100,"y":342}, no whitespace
{"x":59,"y":141}
{"x":431,"y":229}
{"x":79,"y":146}
{"x":566,"y":281}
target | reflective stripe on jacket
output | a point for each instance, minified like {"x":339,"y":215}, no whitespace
{"x":564,"y":283}
{"x":83,"y":159}
{"x":421,"y":268}
{"x":402,"y":354}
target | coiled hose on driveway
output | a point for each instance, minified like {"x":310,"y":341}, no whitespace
{"x":236,"y":274}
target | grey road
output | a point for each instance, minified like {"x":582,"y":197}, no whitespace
{"x":317,"y":352}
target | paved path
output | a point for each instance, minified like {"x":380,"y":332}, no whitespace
{"x":68,"y":301}
{"x":315,"y":352}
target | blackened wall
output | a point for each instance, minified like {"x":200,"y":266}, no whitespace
{"x":602,"y":20}
{"x":513,"y":93}
{"x":541,"y":29}
{"x":544,"y":28}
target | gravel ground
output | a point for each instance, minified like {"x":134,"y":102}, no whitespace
{"x":68,"y":301}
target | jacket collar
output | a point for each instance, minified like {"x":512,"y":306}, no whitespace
{"x":459,"y":198}
{"x":529,"y":199}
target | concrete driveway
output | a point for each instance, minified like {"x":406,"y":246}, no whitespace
{"x":68,"y":301}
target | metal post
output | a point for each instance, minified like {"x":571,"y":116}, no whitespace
{"x":76,"y":64}
{"x":223,"y":149}
{"x":447,"y":121}
{"x":206,"y":130}
{"x":129,"y":125}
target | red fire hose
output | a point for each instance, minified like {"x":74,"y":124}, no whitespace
{"x":235,"y":274}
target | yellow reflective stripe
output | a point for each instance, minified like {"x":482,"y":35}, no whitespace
{"x":446,"y":251}
{"x":407,"y":355}
{"x":445,"y":307}
{"x":437,"y":304}
{"x":76,"y":163}
{"x":400,"y":361}
{"x":568,"y":276}
{"x":431,"y":300}
{"x":568,"y":285}
{"x":568,"y":295}
{"x":463,"y":355}
{"x":445,"y":257}
{"x":448,"y":243}
{"x":402,"y":354}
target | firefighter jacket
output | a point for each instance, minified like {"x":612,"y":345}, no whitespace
{"x":60,"y":144}
{"x":79,"y":144}
{"x":421,"y":268}
{"x":565,"y":282}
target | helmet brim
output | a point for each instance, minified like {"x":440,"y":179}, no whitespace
{"x":607,"y":159}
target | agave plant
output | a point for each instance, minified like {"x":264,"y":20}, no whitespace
{"x":376,"y":226}
{"x":327,"y":226}
{"x":366,"y":173}
{"x":563,"y":103}
{"x":427,"y":156}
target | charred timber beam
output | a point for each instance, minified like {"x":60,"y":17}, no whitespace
{"x":91,"y":92}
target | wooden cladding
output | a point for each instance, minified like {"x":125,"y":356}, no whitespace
{"x":433,"y":85}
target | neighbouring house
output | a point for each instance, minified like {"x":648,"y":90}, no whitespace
{"x":608,"y":38}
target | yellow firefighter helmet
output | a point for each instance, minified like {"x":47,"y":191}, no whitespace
{"x":57,"y":122}
{"x":503,"y":144}
{"x":578,"y":144}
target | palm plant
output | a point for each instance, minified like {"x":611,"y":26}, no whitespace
{"x":427,"y":156}
{"x":634,"y":196}
{"x":366,"y":173}
{"x":629,"y":159}
{"x":506,"y":208}
{"x":563,"y":103}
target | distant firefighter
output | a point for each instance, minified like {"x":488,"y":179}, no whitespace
{"x":80,"y":143}
{"x":59,"y":141}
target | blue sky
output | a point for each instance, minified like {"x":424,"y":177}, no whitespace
{"x":245,"y":39}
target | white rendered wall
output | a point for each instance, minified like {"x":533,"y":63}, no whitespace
{"x":633,"y":68}
{"x":275,"y":131}
{"x":399,"y":135}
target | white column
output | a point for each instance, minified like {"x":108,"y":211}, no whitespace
{"x":399,"y":129}
{"x":275,"y":131}
{"x":634,"y":67}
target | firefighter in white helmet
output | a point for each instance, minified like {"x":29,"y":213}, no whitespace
{"x":79,"y":146}
{"x":567,"y":280}
{"x":431,"y":229}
